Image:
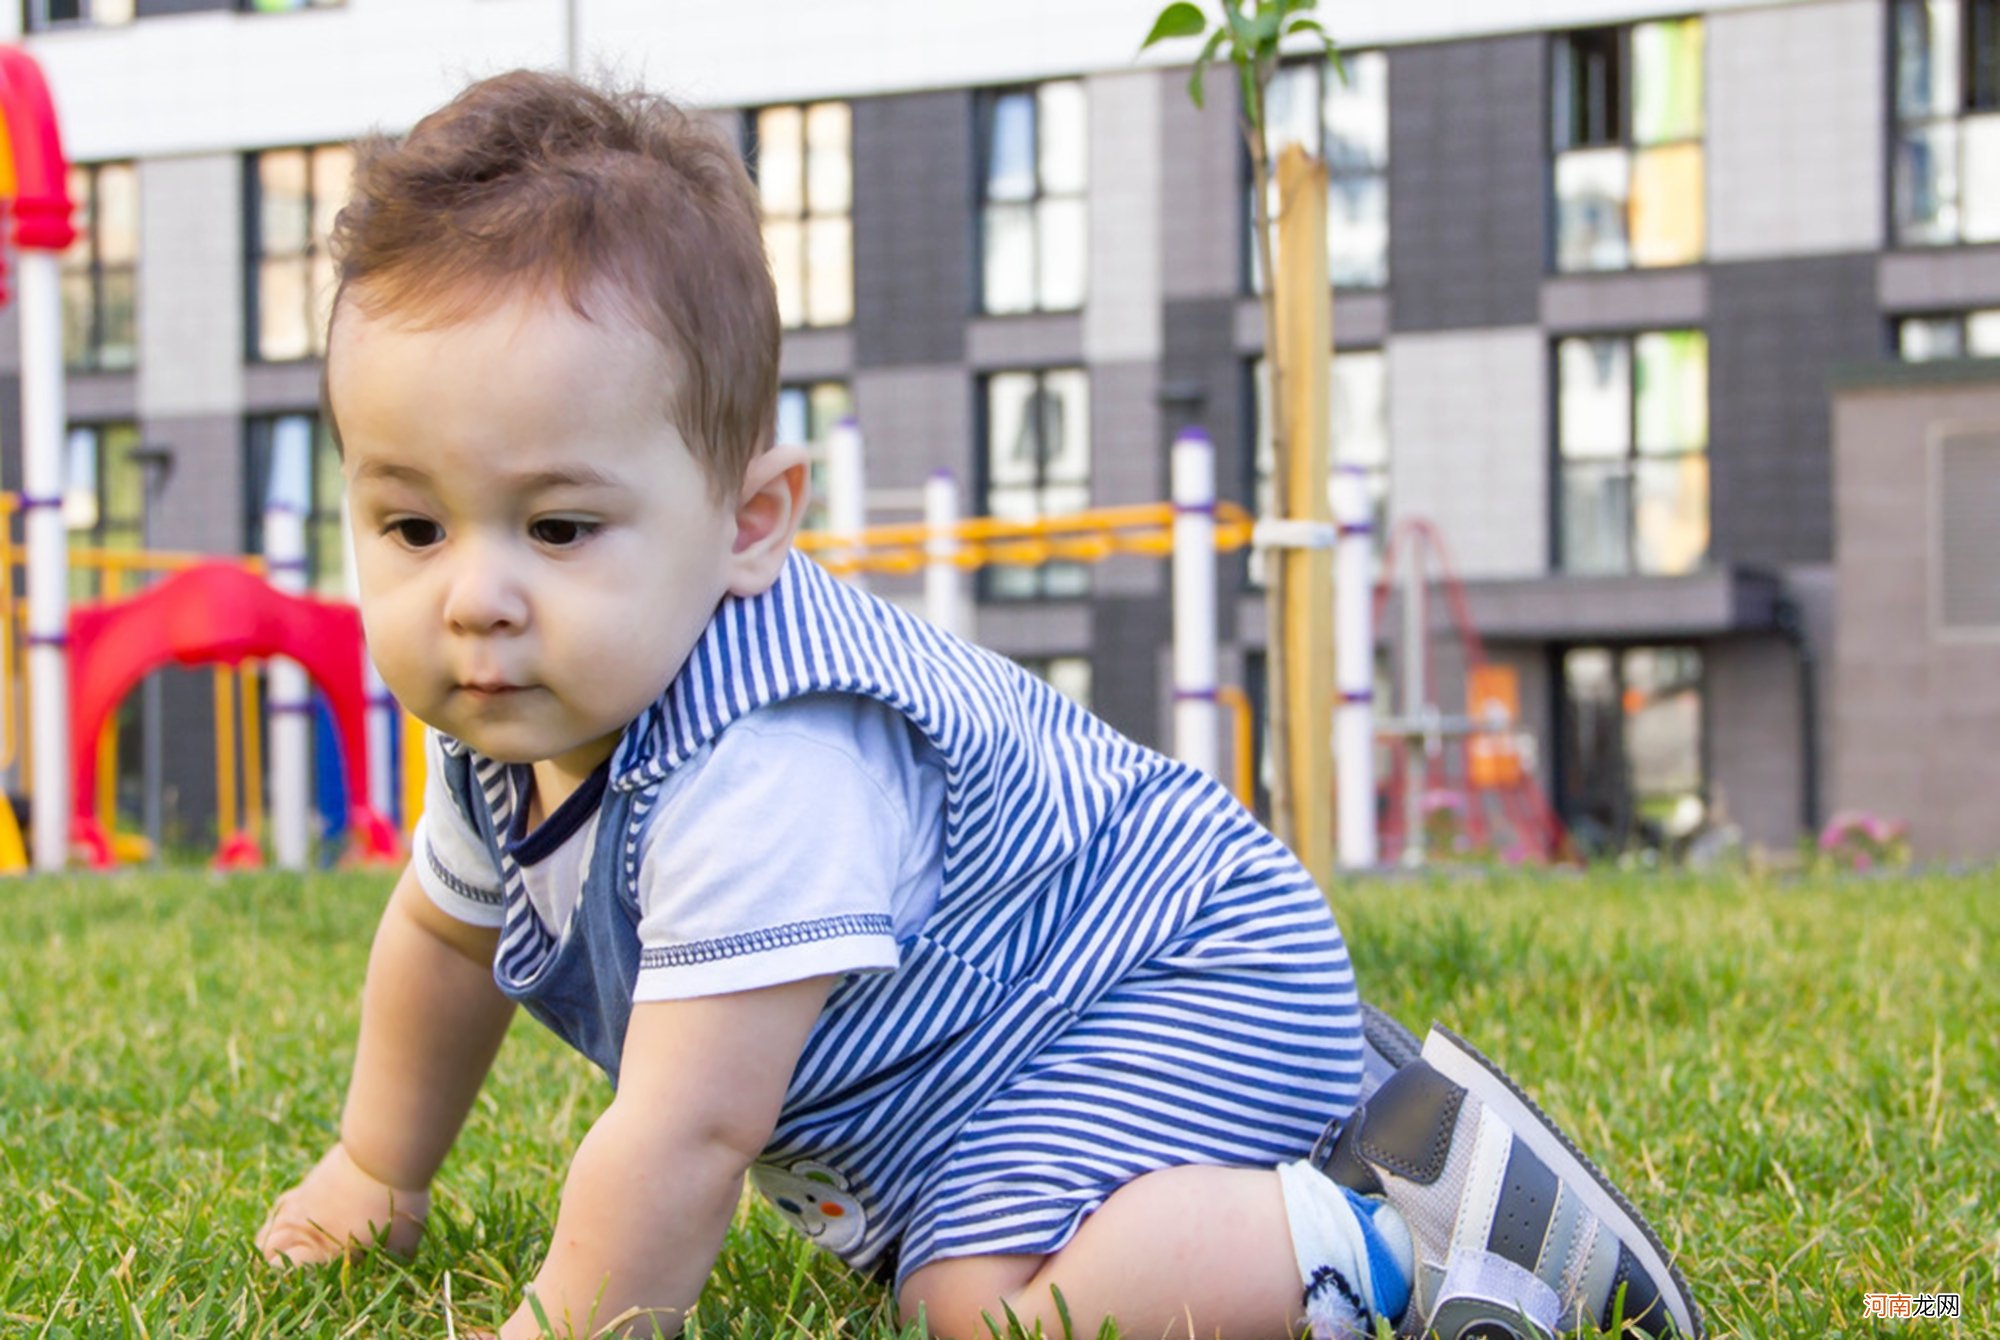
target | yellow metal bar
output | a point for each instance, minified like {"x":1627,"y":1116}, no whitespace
{"x":112,"y":586}
{"x":253,"y":749}
{"x":415,"y":771}
{"x":1243,"y":766}
{"x":10,"y":675}
{"x":225,"y":751}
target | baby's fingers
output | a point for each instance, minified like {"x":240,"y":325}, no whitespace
{"x":289,"y":1240}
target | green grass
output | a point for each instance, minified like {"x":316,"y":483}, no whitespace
{"x":1797,"y":1081}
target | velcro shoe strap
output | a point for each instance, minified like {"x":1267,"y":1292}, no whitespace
{"x":1498,"y":1284}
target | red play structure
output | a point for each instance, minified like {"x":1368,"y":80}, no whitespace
{"x":208,"y":614}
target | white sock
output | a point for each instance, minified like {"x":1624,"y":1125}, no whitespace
{"x":1354,"y":1254}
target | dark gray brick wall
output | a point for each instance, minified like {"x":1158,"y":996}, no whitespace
{"x":1468,"y":173}
{"x":1201,"y":187}
{"x":1775,"y":328}
{"x":10,"y":432}
{"x":1129,"y":635}
{"x":913,"y":208}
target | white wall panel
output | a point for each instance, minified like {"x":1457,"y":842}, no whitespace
{"x":190,"y":285}
{"x":1795,"y":155}
{"x":833,"y":47}
{"x":1469,"y":445}
{"x":218,"y":79}
{"x":194,"y":83}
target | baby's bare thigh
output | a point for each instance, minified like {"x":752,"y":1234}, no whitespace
{"x":953,"y":1292}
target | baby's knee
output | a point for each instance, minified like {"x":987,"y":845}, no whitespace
{"x":955,"y":1295}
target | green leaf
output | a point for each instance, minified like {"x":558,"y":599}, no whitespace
{"x":1232,"y":18}
{"x":1201,"y":63}
{"x":1180,"y":19}
{"x":1262,"y":27}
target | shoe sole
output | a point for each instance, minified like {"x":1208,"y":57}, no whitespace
{"x":1464,"y":1065}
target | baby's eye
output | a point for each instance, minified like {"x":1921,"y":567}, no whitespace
{"x":562,"y":532}
{"x":415,"y":532}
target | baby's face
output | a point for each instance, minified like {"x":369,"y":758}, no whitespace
{"x":537,"y":549}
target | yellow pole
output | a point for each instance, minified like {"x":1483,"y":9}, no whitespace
{"x":253,"y":752}
{"x":225,"y":753}
{"x":1305,"y":635}
{"x":109,"y":588}
{"x":416,"y":772}
{"x":10,"y":675}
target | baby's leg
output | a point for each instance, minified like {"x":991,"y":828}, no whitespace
{"x":1188,"y":1251}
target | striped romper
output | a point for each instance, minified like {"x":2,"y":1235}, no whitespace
{"x":1123,"y":970}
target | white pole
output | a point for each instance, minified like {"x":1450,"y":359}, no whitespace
{"x":48,"y":552}
{"x":846,"y":492}
{"x":944,"y":589}
{"x":290,"y":702}
{"x":1193,"y":471}
{"x":1354,"y":669}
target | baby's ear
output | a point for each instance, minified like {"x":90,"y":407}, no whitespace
{"x":769,"y":507}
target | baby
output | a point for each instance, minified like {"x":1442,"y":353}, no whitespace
{"x":985,"y":997}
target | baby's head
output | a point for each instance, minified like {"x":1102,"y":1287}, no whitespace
{"x":553,"y":374}
{"x":618,"y":204}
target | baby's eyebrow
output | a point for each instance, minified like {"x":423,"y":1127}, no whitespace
{"x":564,"y":476}
{"x":389,"y":470}
{"x":561,"y":476}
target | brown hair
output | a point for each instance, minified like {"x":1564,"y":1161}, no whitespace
{"x":537,"y":180}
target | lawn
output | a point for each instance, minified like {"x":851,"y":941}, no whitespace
{"x":1797,"y":1079}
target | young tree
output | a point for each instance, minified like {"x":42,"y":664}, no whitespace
{"x":1250,"y":36}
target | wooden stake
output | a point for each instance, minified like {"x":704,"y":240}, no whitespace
{"x":1305,"y":637}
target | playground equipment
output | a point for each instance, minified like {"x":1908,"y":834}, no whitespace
{"x":209,"y":613}
{"x":1472,"y":759}
{"x":1450,"y":764}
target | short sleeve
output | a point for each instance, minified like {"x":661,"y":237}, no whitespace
{"x":453,"y":863}
{"x":780,"y":857}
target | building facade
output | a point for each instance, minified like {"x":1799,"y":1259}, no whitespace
{"x":1596,"y":263}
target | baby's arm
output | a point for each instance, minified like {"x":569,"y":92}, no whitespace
{"x":431,"y":1021}
{"x":653,"y":1185}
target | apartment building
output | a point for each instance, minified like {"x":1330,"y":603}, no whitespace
{"x":1602,"y":270}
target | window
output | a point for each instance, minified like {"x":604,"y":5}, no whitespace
{"x":1947,"y":154}
{"x":1920,"y":339}
{"x":104,"y":501}
{"x":293,"y":196}
{"x":804,"y":163}
{"x":1626,"y":122}
{"x":807,"y":413}
{"x":1036,"y":464}
{"x":37,"y":15}
{"x":1632,"y":448}
{"x":1067,"y":675}
{"x":99,"y":271}
{"x":1032,"y":164}
{"x":290,"y":458}
{"x":1346,"y":123}
{"x":1632,"y":762}
{"x":1359,"y":435}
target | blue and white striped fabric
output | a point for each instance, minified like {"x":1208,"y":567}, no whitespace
{"x":1124,"y":971}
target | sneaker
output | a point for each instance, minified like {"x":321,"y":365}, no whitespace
{"x":1517,"y":1234}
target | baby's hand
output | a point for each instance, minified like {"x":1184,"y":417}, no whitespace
{"x":338,"y":1209}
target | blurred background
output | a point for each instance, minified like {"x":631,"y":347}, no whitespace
{"x":1681,"y":323}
